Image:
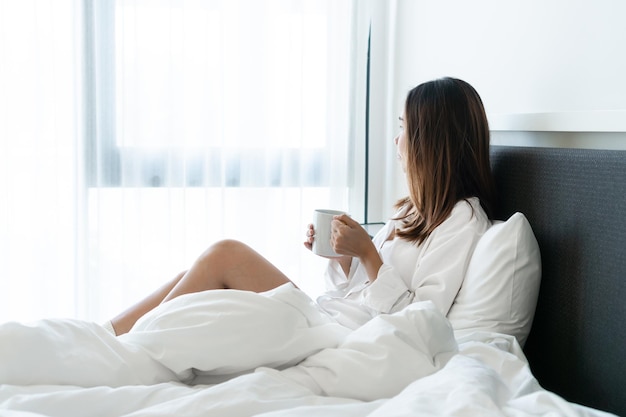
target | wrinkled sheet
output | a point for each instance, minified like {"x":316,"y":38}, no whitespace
{"x":232,"y":353}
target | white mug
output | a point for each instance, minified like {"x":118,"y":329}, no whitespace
{"x":321,"y":222}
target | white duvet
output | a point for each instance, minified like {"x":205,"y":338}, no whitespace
{"x":233,"y":353}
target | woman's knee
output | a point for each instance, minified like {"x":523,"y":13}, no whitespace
{"x":226,"y":247}
{"x":224,"y":252}
{"x":232,"y":264}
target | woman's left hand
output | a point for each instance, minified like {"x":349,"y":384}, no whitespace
{"x":348,"y":237}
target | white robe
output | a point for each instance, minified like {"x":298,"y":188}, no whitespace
{"x":433,"y":270}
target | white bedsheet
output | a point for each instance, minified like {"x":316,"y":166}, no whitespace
{"x":231,"y":353}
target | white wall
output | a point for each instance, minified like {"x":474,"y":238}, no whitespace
{"x":547,"y":70}
{"x":522,"y":56}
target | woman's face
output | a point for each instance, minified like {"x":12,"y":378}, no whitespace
{"x":400,"y":141}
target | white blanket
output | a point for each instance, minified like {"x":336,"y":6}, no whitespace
{"x":231,"y":353}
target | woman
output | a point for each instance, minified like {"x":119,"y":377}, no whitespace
{"x":421,"y":254}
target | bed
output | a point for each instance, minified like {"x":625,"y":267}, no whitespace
{"x":575,"y":200}
{"x":234,"y":353}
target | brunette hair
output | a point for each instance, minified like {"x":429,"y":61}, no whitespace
{"x":447,"y":144}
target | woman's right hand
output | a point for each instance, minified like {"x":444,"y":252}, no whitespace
{"x":344,"y":260}
{"x":310,"y":237}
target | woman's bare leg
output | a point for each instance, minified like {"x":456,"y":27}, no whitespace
{"x":127,"y":319}
{"x":228,"y":264}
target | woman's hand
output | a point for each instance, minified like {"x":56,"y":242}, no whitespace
{"x":349,"y":238}
{"x":310,"y":237}
{"x":344,"y":261}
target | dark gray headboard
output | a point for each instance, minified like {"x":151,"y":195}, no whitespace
{"x":575,"y":200}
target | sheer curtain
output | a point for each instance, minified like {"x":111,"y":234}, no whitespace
{"x":137,"y":132}
{"x":38,"y":158}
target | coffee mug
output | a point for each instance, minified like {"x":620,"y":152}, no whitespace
{"x":322,"y":219}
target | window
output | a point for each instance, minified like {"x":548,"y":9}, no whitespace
{"x":134,"y":133}
{"x":210,"y":120}
{"x":211,"y":89}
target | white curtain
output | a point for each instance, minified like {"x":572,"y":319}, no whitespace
{"x":134,"y":133}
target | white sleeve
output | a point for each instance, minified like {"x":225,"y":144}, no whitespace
{"x":334,"y":277}
{"x":387,"y":291}
{"x":440,"y":267}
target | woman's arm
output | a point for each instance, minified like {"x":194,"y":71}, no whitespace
{"x":345,"y":262}
{"x":350,"y":239}
{"x":437,"y":271}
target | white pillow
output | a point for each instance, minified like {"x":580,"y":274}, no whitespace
{"x":500,"y":289}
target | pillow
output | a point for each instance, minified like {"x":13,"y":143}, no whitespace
{"x":501,"y":285}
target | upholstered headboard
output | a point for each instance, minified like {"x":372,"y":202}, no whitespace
{"x":575,"y":200}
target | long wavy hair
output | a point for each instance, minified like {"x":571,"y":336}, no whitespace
{"x":447,"y":158}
